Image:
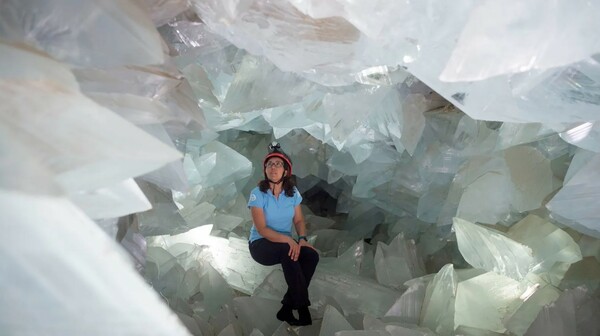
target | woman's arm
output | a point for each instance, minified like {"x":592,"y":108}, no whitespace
{"x":299,"y":221}
{"x":300,"y":226}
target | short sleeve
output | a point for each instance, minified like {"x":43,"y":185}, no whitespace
{"x":297,"y":197}
{"x":256,"y":199}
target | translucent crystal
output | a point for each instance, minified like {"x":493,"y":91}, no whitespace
{"x":530,"y":303}
{"x":333,"y":322}
{"x":145,"y":95}
{"x":112,"y":201}
{"x":574,"y":312}
{"x":409,"y":305}
{"x":259,"y":313}
{"x":58,"y":291}
{"x":491,"y":250}
{"x":349,"y":261}
{"x":438,"y":305}
{"x":398,"y":262}
{"x":531,"y":176}
{"x":325,"y":41}
{"x":161,"y":11}
{"x":164,"y":217}
{"x":585,"y":135}
{"x":521,"y":41}
{"x":553,"y":249}
{"x":216,"y":164}
{"x":481,"y":302}
{"x":107,"y":151}
{"x":64,"y":30}
{"x":258,"y":79}
{"x":577,"y":202}
{"x":20,"y":61}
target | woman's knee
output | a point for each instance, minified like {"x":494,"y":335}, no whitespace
{"x":310,"y":254}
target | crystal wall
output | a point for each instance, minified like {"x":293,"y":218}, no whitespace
{"x":448,"y":155}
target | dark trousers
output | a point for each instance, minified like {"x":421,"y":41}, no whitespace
{"x":297,"y":273}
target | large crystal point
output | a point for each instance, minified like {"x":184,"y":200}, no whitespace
{"x":143,"y":95}
{"x":585,"y":135}
{"x":164,"y":217}
{"x":578,"y":202}
{"x":107,"y":150}
{"x":112,"y":201}
{"x":398,"y":262}
{"x":333,"y":322}
{"x":349,"y":262}
{"x":409,"y":305}
{"x":216,"y":164}
{"x":553,"y":249}
{"x":438,"y":306}
{"x":492,"y":250}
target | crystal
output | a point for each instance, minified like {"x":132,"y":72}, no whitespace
{"x":60,"y":288}
{"x":107,"y":150}
{"x":577,"y":201}
{"x":438,"y":305}
{"x":573,"y":312}
{"x":162,"y":11}
{"x":398,"y":262}
{"x":252,"y":313}
{"x":333,"y":322}
{"x":20,"y":61}
{"x":491,"y":250}
{"x":518,"y":39}
{"x":112,"y":201}
{"x":553,"y":249}
{"x":60,"y":28}
{"x":481,"y":301}
{"x":409,"y":305}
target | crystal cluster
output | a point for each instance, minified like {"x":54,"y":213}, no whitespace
{"x":448,"y":155}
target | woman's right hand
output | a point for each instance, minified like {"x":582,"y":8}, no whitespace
{"x":294,"y":249}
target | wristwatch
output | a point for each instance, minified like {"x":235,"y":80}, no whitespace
{"x":302,"y":237}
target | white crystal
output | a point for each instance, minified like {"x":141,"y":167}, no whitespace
{"x":61,"y":29}
{"x":491,"y":250}
{"x":53,"y":285}
{"x":578,"y":200}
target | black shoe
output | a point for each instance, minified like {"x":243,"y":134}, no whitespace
{"x":285,"y":314}
{"x":305,"y":318}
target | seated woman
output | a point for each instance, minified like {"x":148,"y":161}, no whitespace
{"x":275,"y":205}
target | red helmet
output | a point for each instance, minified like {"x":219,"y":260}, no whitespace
{"x":276,"y":151}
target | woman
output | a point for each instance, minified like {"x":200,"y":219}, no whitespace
{"x":275,"y":205}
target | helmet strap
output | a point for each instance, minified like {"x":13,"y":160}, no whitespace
{"x":276,"y":182}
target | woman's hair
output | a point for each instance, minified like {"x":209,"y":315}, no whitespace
{"x":288,"y":184}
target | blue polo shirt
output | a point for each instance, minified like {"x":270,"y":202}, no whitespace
{"x":279,"y":213}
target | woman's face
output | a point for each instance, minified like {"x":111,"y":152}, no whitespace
{"x":274,"y":169}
